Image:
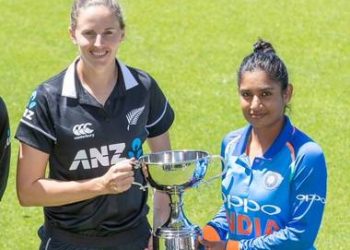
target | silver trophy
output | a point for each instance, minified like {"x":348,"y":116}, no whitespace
{"x":173,"y":172}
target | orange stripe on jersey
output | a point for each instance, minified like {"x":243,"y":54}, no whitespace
{"x":210,"y":234}
{"x":291,"y":149}
{"x":232,"y":245}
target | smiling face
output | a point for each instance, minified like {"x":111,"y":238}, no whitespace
{"x":98,"y":35}
{"x":262,"y":99}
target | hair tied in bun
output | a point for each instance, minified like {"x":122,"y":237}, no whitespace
{"x":262,"y":46}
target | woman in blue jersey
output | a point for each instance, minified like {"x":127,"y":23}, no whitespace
{"x":5,"y":148}
{"x":88,"y":124}
{"x":274,"y":187}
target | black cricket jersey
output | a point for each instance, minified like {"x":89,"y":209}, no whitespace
{"x":85,"y":138}
{"x":5,"y":147}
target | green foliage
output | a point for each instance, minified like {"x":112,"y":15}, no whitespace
{"x":193,"y":49}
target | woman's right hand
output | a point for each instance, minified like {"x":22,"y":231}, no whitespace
{"x":119,"y":177}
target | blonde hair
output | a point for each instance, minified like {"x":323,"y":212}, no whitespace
{"x":110,"y":4}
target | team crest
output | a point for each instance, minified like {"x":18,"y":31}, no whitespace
{"x":272,"y":180}
{"x":133,"y":116}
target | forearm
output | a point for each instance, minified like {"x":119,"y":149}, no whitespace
{"x":161,"y":201}
{"x":49,"y":192}
{"x":161,"y":208}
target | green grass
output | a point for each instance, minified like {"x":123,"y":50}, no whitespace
{"x":193,"y":48}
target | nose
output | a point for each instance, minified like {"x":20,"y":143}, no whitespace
{"x":98,"y":40}
{"x":256,"y":103}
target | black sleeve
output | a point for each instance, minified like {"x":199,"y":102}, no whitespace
{"x":5,"y":147}
{"x":36,"y":127}
{"x":161,"y":115}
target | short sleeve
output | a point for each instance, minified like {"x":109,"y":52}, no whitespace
{"x":36,"y":127}
{"x":161,"y":114}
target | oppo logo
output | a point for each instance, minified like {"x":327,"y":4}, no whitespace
{"x":233,"y":201}
{"x":311,"y":198}
{"x":83,"y":129}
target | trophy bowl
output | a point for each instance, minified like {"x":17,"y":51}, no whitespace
{"x":173,"y":172}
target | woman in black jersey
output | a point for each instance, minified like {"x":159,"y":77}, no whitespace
{"x":5,"y":147}
{"x":88,"y":124}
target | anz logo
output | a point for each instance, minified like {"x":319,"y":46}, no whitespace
{"x":28,"y":113}
{"x":94,"y":157}
{"x":83,"y":130}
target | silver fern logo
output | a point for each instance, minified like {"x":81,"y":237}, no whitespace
{"x":133,"y":116}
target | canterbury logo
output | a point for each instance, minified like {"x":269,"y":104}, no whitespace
{"x":83,"y":129}
{"x":133,"y":116}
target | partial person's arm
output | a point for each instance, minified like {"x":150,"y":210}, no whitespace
{"x":34,"y":189}
{"x":5,"y":147}
{"x":161,"y":208}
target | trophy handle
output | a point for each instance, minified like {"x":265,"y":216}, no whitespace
{"x":136,"y":166}
{"x":141,"y":187}
{"x":211,"y":179}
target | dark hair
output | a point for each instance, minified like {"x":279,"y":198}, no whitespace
{"x":111,"y":4}
{"x":264,"y":58}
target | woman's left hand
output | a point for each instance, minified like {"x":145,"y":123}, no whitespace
{"x":212,"y":245}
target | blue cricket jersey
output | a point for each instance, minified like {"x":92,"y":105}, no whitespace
{"x":276,"y":201}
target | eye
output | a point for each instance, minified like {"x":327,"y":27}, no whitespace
{"x":266,"y":93}
{"x":245,"y":94}
{"x":89,"y":33}
{"x":108,"y":32}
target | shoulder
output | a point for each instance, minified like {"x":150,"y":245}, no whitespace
{"x":2,"y":104}
{"x":309,"y":155}
{"x":232,"y":137}
{"x":50,"y":88}
{"x":142,"y":77}
{"x":305,"y":145}
{"x":230,"y":140}
{"x":3,"y":111}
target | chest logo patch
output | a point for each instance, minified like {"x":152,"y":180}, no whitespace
{"x":272,"y":180}
{"x":83,"y":130}
{"x":133,"y":116}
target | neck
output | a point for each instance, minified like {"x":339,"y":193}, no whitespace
{"x":262,"y":138}
{"x":98,"y":82}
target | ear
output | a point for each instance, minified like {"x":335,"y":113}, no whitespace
{"x":122,"y":36}
{"x":288,"y":93}
{"x":72,"y":35}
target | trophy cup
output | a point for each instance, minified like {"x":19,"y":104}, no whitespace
{"x":173,"y":172}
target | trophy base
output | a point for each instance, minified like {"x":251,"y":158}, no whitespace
{"x":176,"y":239}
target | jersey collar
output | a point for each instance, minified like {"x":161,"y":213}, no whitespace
{"x":69,"y":88}
{"x":281,"y":140}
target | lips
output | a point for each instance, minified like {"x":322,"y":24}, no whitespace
{"x":256,"y":115}
{"x":99,"y":53}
